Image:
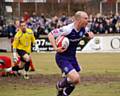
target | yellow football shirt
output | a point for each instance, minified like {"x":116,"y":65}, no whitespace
{"x":23,"y":41}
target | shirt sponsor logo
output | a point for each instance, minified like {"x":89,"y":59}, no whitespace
{"x":81,"y":34}
{"x":74,"y":40}
{"x":66,"y":69}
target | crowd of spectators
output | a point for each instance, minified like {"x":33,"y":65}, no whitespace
{"x":42,"y":25}
{"x":105,"y":24}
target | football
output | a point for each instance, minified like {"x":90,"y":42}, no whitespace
{"x":62,"y":41}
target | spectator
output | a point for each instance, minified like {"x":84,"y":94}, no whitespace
{"x":26,"y":16}
{"x":11,"y":29}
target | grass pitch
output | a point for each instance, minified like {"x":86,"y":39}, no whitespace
{"x":103,"y":67}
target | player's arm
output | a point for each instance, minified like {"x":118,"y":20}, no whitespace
{"x":15,"y":44}
{"x":89,"y":34}
{"x":52,"y":41}
{"x":55,"y":33}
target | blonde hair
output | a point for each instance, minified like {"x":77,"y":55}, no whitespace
{"x":79,"y":14}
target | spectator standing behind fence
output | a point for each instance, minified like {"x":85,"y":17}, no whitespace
{"x":26,"y":16}
{"x":66,"y":60}
{"x":22,"y":46}
{"x":118,"y":26}
{"x":11,"y":29}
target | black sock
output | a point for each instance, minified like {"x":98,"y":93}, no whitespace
{"x":15,"y":68}
{"x":64,"y":83}
{"x":69,"y":89}
{"x":27,"y":64}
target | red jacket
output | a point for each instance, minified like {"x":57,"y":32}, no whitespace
{"x":7,"y":62}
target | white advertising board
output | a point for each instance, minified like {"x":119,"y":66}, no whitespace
{"x":103,"y":44}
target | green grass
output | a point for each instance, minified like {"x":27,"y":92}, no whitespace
{"x":101,"y":63}
{"x":99,"y":89}
{"x":92,"y":64}
{"x":27,"y":91}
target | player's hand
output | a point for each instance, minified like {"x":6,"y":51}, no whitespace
{"x":60,"y":49}
{"x":90,"y":35}
{"x":15,"y":58}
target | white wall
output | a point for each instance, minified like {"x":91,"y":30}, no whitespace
{"x":5,"y":44}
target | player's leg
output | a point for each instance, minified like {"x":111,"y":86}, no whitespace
{"x":68,"y":83}
{"x":64,"y":87}
{"x":32,"y":66}
{"x":15,"y":67}
{"x":72,"y":78}
{"x":26,"y":58}
{"x":20,"y":63}
{"x":7,"y":64}
{"x":68,"y":90}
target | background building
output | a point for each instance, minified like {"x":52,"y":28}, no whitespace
{"x":15,"y":8}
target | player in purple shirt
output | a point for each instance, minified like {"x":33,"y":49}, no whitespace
{"x":66,"y":60}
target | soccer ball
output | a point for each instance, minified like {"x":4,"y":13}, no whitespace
{"x":63,"y":42}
